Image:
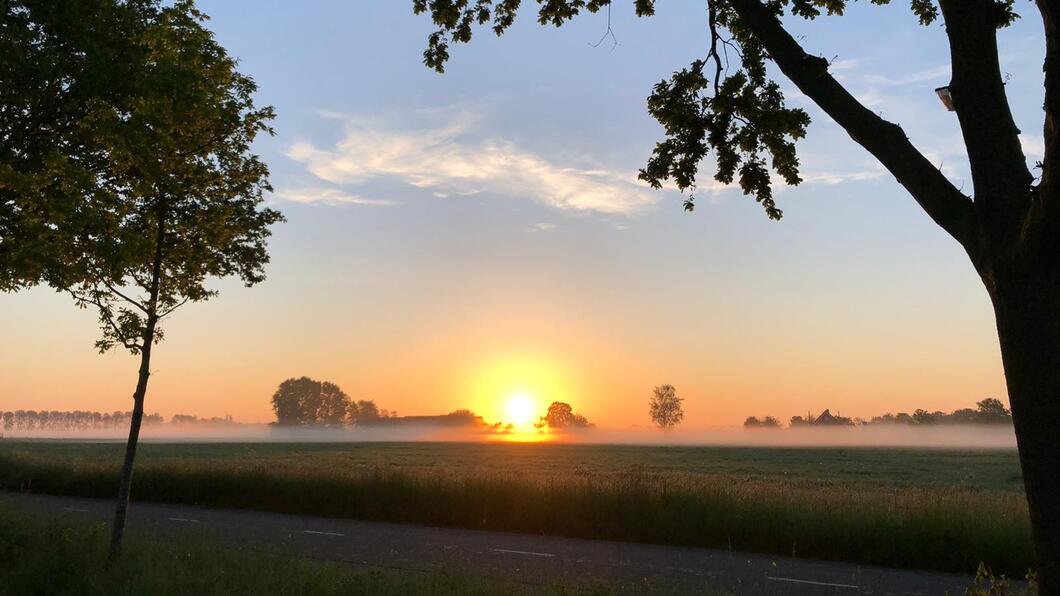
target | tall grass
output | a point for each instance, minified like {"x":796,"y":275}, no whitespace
{"x":914,"y":527}
{"x":48,"y":559}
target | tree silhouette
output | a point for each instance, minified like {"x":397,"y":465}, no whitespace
{"x":665,"y":407}
{"x":561,"y":415}
{"x":304,"y":401}
{"x":1009,"y":224}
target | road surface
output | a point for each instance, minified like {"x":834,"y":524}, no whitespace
{"x":530,"y":559}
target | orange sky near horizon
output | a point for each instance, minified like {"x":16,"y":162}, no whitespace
{"x":220,"y":358}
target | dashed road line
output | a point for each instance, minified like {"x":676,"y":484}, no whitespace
{"x":183,"y":519}
{"x":322,"y":533}
{"x":521,"y":552}
{"x":812,"y":583}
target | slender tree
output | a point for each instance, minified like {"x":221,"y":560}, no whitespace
{"x":169,"y":196}
{"x":1009,"y":224}
{"x":665,"y":407}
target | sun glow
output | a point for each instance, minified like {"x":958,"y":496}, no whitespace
{"x":520,"y":410}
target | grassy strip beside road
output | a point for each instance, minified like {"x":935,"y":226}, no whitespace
{"x":930,"y":527}
{"x":47,"y":558}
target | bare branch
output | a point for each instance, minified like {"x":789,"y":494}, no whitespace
{"x":609,"y":33}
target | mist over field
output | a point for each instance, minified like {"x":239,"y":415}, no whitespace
{"x":948,"y":436}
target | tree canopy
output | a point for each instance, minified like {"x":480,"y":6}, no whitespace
{"x":64,"y":67}
{"x":304,"y":401}
{"x":665,"y":407}
{"x":561,"y":415}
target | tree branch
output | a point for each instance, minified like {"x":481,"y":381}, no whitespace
{"x":947,"y":206}
{"x":1048,"y":201}
{"x":135,"y":303}
{"x":1000,"y":178}
{"x":104,"y":314}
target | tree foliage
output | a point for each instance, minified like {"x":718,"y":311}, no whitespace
{"x":64,"y":65}
{"x":665,"y":407}
{"x":307,"y":402}
{"x":148,"y":143}
{"x":561,"y":415}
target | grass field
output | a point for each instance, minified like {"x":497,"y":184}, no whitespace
{"x":41,"y":557}
{"x":932,"y":509}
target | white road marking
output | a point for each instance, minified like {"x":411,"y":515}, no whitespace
{"x":322,"y":533}
{"x":181,"y":519}
{"x":75,"y":510}
{"x":806,"y":581}
{"x":521,"y":552}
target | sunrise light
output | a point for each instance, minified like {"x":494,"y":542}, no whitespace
{"x":520,"y":410}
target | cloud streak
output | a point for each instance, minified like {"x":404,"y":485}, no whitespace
{"x":450,"y":161}
{"x":329,"y":196}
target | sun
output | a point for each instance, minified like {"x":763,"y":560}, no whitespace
{"x":520,"y":410}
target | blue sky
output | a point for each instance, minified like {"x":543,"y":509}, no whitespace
{"x":439,"y":224}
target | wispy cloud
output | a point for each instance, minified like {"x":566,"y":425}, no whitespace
{"x":449,"y":159}
{"x":939,"y":74}
{"x":841,"y":177}
{"x":329,"y":196}
{"x":542,"y":227}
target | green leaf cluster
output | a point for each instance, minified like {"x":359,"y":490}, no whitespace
{"x":140,"y":191}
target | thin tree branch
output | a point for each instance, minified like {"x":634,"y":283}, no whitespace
{"x":118,"y":293}
{"x":712,"y":21}
{"x":170,"y":310}
{"x":608,"y":33}
{"x":104,"y":314}
{"x":947,"y":206}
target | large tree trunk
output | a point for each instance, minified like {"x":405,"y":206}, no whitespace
{"x":1027,"y":305}
{"x":118,"y":528}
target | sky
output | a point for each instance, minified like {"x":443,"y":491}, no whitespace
{"x":453,"y":240}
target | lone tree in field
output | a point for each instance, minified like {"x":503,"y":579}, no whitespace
{"x":165,"y":195}
{"x":665,"y":407}
{"x":306,"y":402}
{"x":1009,"y":224}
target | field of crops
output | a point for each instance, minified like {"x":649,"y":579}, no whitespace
{"x":908,"y":508}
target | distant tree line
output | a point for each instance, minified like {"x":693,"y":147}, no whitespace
{"x":767,"y":422}
{"x":986,"y":411}
{"x":307,"y":402}
{"x":189,"y":420}
{"x":75,"y":420}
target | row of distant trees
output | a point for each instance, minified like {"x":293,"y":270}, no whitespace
{"x":83,"y":420}
{"x":987,"y":411}
{"x":76,"y":420}
{"x":307,"y":402}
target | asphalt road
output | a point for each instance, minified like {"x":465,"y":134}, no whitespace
{"x":517,"y":557}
